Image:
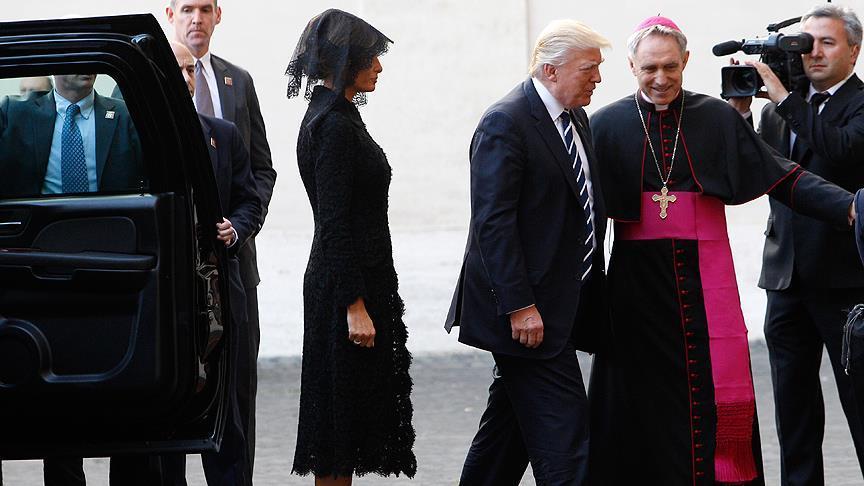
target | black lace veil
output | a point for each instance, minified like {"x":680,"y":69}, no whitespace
{"x":335,"y":46}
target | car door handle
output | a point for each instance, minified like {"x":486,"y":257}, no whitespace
{"x":13,"y":221}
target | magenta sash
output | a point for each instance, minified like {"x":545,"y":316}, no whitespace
{"x":696,"y":217}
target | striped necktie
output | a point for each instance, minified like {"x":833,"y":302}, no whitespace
{"x":73,"y":165}
{"x":581,"y":181}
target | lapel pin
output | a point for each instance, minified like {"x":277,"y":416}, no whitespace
{"x":213,"y":142}
{"x":109,"y":115}
{"x":229,"y":81}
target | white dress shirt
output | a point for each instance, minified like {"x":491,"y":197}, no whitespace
{"x":810,"y":92}
{"x":554,"y":107}
{"x":86,"y":122}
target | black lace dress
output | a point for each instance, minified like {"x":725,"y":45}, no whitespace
{"x":355,"y":406}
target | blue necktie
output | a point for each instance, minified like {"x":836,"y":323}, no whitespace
{"x":581,"y":181}
{"x":73,"y":167}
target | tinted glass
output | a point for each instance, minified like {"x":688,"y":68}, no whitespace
{"x":67,"y":134}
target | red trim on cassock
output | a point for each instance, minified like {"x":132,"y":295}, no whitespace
{"x":690,"y":163}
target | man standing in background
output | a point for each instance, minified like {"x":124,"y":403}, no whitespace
{"x":226,"y":91}
{"x":811,"y":270}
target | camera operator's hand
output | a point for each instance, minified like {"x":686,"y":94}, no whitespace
{"x":776,"y":91}
{"x":742,"y":104}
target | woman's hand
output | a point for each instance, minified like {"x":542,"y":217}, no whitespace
{"x":361,"y":330}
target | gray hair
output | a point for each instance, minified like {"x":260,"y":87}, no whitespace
{"x":558,"y":39}
{"x":638,"y":36}
{"x":173,"y":3}
{"x":831,"y":11}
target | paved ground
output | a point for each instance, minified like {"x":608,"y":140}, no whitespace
{"x":449,"y":396}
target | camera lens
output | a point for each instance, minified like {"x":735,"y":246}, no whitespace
{"x":743,"y":80}
{"x":739,"y":81}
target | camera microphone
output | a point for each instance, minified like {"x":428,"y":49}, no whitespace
{"x":726,"y":48}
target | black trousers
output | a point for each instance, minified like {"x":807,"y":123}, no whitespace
{"x":247,"y":375}
{"x":798,"y":323}
{"x":538,"y":412}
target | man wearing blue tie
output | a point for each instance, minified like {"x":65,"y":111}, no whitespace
{"x":68,"y":140}
{"x":531,"y":286}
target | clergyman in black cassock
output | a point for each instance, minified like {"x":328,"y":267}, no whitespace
{"x":672,"y":398}
{"x":533,"y":269}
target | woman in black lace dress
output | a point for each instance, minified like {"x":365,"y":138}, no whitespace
{"x":355,"y":407}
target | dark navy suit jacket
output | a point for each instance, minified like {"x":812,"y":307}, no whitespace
{"x":26,"y":133}
{"x":240,"y":106}
{"x":237,"y":195}
{"x":525,"y":241}
{"x":822,"y":255}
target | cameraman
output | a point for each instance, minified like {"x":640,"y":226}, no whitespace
{"x":811,"y":270}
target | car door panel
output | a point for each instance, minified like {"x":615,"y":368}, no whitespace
{"x":114,"y":309}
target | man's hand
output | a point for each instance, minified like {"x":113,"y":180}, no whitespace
{"x":851,"y":216}
{"x":742,"y":104}
{"x":527,"y":327}
{"x":225,"y":232}
{"x":776,"y":91}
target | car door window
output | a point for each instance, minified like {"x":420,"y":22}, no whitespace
{"x":63,"y":134}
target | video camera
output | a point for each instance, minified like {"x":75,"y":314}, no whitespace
{"x":782,"y":53}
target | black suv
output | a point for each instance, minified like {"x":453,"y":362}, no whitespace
{"x":114,"y":329}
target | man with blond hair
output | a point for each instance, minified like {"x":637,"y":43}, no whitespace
{"x":530,"y":288}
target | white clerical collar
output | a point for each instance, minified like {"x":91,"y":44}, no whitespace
{"x":656,"y":106}
{"x":831,"y":90}
{"x":553,"y":106}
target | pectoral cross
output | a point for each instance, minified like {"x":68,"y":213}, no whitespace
{"x":664,"y":199}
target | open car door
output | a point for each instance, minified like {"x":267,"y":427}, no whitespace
{"x":114,"y":329}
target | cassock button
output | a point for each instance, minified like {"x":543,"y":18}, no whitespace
{"x":688,"y":320}
{"x":697,"y":431}
{"x":679,"y":264}
{"x":691,"y":361}
{"x":679,"y":251}
{"x":689,"y":334}
{"x":680,"y":279}
{"x":694,"y":376}
{"x":685,"y":292}
{"x":697,"y":417}
{"x":699,"y":459}
{"x":700,"y":473}
{"x":698,"y":446}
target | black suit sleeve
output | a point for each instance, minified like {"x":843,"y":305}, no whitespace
{"x":260,"y":158}
{"x":497,"y":166}
{"x":245,"y":204}
{"x":335,"y":166}
{"x":837,"y":145}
